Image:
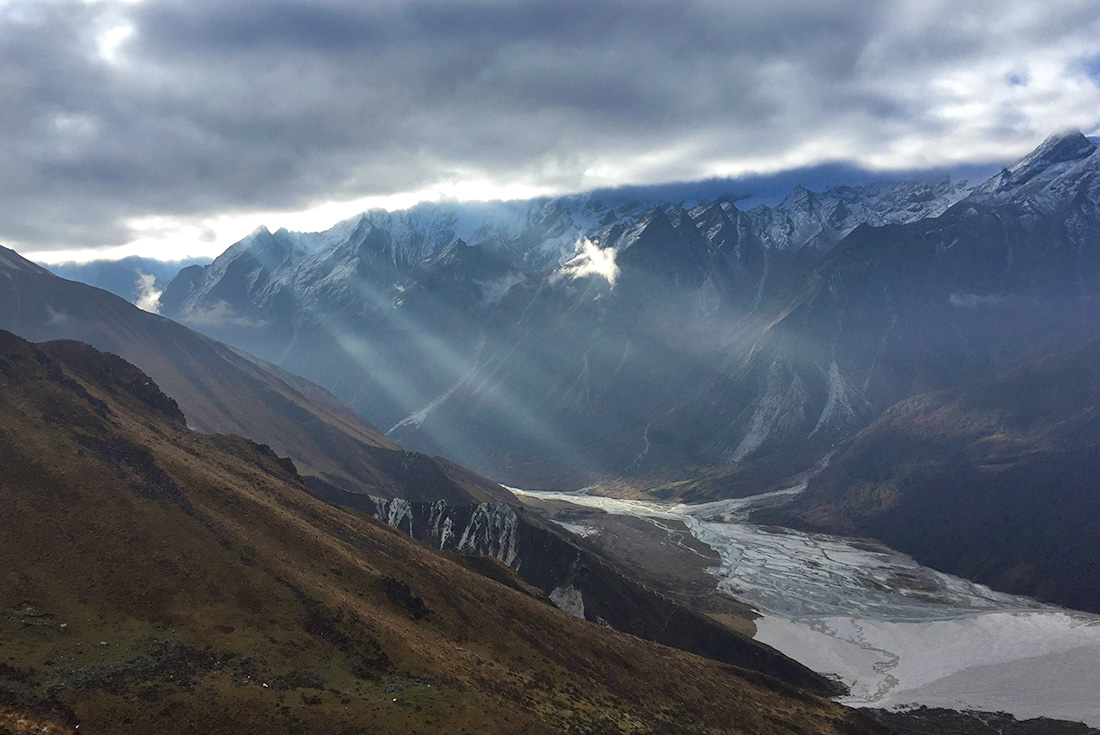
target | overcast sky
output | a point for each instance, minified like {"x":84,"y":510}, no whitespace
{"x":175,"y":127}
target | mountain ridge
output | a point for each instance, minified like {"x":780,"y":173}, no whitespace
{"x":408,"y":344}
{"x":221,"y":389}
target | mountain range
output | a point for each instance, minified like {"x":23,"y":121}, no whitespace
{"x":685,"y":349}
{"x":346,"y":462}
{"x":683,"y":334}
{"x":486,"y":336}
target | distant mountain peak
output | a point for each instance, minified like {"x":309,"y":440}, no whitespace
{"x":1056,"y":155}
{"x":1058,"y":148}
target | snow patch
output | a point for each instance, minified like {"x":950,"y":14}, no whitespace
{"x":973,"y":301}
{"x":492,"y":531}
{"x":838,"y":409}
{"x":578,"y":529}
{"x":414,"y":420}
{"x":780,"y":411}
{"x":396,"y":512}
{"x":57,"y":316}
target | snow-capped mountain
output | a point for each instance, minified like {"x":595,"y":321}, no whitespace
{"x":386,"y":248}
{"x":1035,"y":174}
{"x":558,"y":341}
{"x":819,"y":221}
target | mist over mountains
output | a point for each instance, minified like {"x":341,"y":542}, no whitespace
{"x":138,"y":280}
{"x":492,"y":335}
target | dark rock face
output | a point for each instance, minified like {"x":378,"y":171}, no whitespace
{"x":996,"y":482}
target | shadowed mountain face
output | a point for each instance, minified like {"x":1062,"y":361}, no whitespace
{"x":165,"y":580}
{"x":690,"y":335}
{"x":221,"y":389}
{"x":998,"y":482}
{"x":513,"y":347}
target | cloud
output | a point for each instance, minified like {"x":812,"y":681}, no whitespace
{"x":221,"y":314}
{"x":591,"y":260}
{"x":189,"y":110}
{"x":973,"y":301}
{"x":148,"y":294}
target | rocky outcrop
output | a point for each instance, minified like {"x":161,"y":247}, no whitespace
{"x":576,"y":579}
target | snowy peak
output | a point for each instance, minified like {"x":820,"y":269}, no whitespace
{"x":818,"y":221}
{"x":1063,"y":148}
{"x":1057,"y":156}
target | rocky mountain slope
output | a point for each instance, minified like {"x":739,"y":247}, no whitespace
{"x":348,"y":462}
{"x":221,"y":389}
{"x":996,"y":481}
{"x":580,"y":581}
{"x":165,"y":580}
{"x":501,"y":339}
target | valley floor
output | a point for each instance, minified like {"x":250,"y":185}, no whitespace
{"x":897,"y":633}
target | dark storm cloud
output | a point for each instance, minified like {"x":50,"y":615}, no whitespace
{"x":222,"y":106}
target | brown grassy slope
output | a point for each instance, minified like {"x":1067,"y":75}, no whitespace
{"x":159,"y":580}
{"x":222,"y":390}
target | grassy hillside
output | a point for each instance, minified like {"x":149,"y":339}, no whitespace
{"x":160,"y":580}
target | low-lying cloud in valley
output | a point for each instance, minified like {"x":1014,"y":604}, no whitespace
{"x":148,"y":294}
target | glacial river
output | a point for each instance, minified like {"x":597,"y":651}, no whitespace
{"x":897,"y":633}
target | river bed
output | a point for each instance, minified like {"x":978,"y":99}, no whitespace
{"x":897,"y":633}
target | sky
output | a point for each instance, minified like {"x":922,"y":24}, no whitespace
{"x":172,"y":128}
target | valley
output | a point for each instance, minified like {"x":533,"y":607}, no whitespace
{"x":896,"y":633}
{"x":160,"y":579}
